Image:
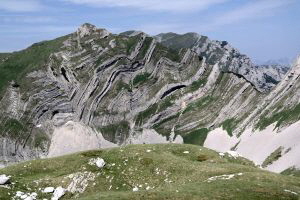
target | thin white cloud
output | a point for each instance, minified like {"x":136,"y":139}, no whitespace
{"x":26,"y":19}
{"x":155,"y":29}
{"x":20,"y":5}
{"x":11,"y":29}
{"x":253,"y":10}
{"x":154,"y":5}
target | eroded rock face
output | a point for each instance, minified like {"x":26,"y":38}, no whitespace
{"x":98,"y":89}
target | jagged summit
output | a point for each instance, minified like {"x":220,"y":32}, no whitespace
{"x":87,"y":29}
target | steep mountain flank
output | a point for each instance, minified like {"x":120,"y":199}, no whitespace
{"x":129,"y":88}
{"x":272,"y":135}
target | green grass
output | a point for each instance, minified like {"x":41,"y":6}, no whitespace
{"x":123,"y":86}
{"x":291,"y":172}
{"x":167,"y":102}
{"x":197,"y":84}
{"x":282,"y":118}
{"x":141,"y":78}
{"x":131,"y":43}
{"x":176,"y":42}
{"x":12,"y":128}
{"x":169,"y":172}
{"x":229,"y":125}
{"x":110,"y":131}
{"x":196,"y":137}
{"x":161,"y":127}
{"x":22,"y":62}
{"x":146,"y":114}
{"x":199,"y":104}
{"x":145,"y":48}
{"x":163,"y":51}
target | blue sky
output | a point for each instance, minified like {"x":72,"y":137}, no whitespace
{"x":262,"y":29}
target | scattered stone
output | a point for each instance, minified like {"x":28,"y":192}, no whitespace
{"x":24,"y":196}
{"x":135,"y":189}
{"x":289,"y":191}
{"x":48,"y":190}
{"x":233,"y":154}
{"x":221,"y":177}
{"x":80,"y":181}
{"x":148,"y":150}
{"x":99,"y":162}
{"x":186,"y":152}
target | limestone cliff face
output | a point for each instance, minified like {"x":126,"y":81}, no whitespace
{"x":126,"y":88}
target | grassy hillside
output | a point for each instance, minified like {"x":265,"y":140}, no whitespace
{"x":17,"y":64}
{"x":164,"y":171}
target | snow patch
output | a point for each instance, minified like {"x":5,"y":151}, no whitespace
{"x":258,"y":145}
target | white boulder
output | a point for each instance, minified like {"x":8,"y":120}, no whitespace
{"x":4,"y":179}
{"x":135,"y":189}
{"x":100,"y":163}
{"x":48,"y":190}
{"x":58,"y":193}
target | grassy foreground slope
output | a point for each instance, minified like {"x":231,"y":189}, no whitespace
{"x":162,"y":171}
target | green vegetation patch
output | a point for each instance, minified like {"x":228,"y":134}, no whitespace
{"x":197,"y":84}
{"x":141,"y":78}
{"x":22,"y":62}
{"x":292,"y":171}
{"x":40,"y":139}
{"x":146,"y":114}
{"x":166,"y":102}
{"x":229,"y":125}
{"x":163,"y":51}
{"x":196,"y":137}
{"x":110,"y":132}
{"x":131,"y":43}
{"x":282,"y":117}
{"x":199,"y":104}
{"x":12,"y":128}
{"x":145,"y":48}
{"x":176,"y":42}
{"x":163,"y":127}
{"x":272,"y":157}
{"x":123,"y":86}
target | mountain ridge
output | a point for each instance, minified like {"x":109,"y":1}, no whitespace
{"x":119,"y":89}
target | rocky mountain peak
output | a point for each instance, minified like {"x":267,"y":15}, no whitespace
{"x":87,"y":29}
